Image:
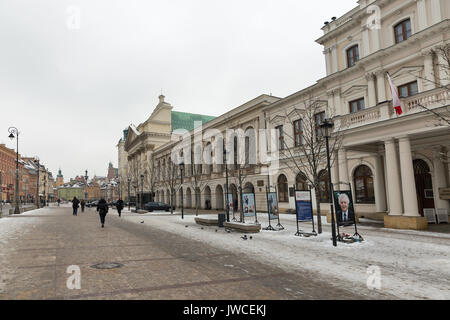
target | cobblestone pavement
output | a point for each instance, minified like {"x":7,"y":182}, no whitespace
{"x":43,"y":243}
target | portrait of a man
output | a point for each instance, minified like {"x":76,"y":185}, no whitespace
{"x":344,"y":209}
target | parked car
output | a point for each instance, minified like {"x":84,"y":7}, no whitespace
{"x":92,"y":203}
{"x":112,"y":203}
{"x":152,"y":206}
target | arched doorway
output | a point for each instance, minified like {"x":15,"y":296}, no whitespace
{"x":283,"y":195}
{"x":424,"y":185}
{"x":207,"y":197}
{"x":363,"y":182}
{"x":219,"y":198}
{"x":248,"y":188}
{"x":301,"y":183}
{"x":188,"y":198}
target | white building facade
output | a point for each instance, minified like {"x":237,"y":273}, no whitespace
{"x":395,"y":164}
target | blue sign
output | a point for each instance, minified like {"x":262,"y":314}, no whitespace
{"x":303,"y":205}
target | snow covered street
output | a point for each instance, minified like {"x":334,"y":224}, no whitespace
{"x":413,"y":264}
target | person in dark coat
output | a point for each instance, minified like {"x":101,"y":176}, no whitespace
{"x":119,"y":206}
{"x":102,"y":209}
{"x":75,"y":204}
{"x":83,"y":204}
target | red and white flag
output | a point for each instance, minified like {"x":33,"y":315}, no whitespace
{"x":395,"y":99}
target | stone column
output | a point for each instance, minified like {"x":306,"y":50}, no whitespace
{"x":326,"y":52}
{"x":393,"y":178}
{"x":371,"y":87}
{"x":338,"y":102}
{"x":334,"y":59}
{"x":436,"y":15}
{"x":376,"y":39}
{"x":421,"y":14}
{"x":439,"y":178}
{"x":343,"y":167}
{"x":429,"y":81}
{"x":335,"y":174}
{"x":443,"y":71}
{"x":407,"y":174}
{"x":331,"y":103}
{"x":365,"y":41}
{"x":379,"y":186}
{"x":381,"y":85}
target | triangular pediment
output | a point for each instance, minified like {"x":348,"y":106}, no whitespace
{"x":354,"y":90}
{"x":295,"y":113}
{"x":132,"y":134}
{"x":407,"y":71}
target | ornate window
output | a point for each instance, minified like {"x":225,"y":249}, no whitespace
{"x":283,"y":189}
{"x":280,"y":135}
{"x":301,"y":183}
{"x":402,"y":31}
{"x":352,"y":56}
{"x":408,"y":89}
{"x":357,"y":105}
{"x":364,"y":191}
{"x":298,"y":132}
{"x":318,"y":119}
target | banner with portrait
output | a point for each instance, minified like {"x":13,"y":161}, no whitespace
{"x":272,"y":205}
{"x":303,"y":205}
{"x":345,"y":212}
{"x":229,"y":201}
{"x":248,"y":201}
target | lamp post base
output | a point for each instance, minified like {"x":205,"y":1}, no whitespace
{"x":16,"y":210}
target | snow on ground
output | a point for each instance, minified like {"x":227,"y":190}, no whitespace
{"x":12,"y":229}
{"x":413,"y":264}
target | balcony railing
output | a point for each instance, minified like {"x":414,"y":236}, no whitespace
{"x":431,"y":99}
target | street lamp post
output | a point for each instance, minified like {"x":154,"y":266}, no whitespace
{"x":226,"y":183}
{"x":86,"y":181}
{"x":12,"y":131}
{"x":36,"y":160}
{"x":129,"y":181}
{"x":182,"y":195}
{"x":142,"y":192}
{"x":45,"y":187}
{"x":327,"y":124}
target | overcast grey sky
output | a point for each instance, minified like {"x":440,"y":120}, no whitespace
{"x":72,"y":91}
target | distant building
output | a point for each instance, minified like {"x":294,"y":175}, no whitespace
{"x":112,"y":172}
{"x":59,"y":179}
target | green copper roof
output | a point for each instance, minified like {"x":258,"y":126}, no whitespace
{"x":183,"y":120}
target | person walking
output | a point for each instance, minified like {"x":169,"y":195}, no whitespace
{"x":59,"y":202}
{"x":75,"y":205}
{"x":119,"y":206}
{"x":83,"y":204}
{"x":102,"y":209}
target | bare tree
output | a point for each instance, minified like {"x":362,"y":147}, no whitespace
{"x":172,"y":182}
{"x":197,"y":183}
{"x":150,"y":176}
{"x":442,"y":53}
{"x":307,"y":155}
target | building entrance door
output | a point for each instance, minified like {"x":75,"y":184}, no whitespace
{"x":424,"y":185}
